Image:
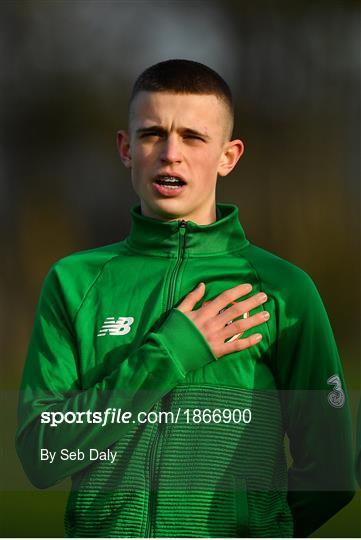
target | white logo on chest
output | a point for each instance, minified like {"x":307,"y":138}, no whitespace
{"x":116,"y":327}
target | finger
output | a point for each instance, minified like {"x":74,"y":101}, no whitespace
{"x":239,"y":345}
{"x":192,"y":298}
{"x":239,"y":308}
{"x":239,"y":327}
{"x":227,"y":297}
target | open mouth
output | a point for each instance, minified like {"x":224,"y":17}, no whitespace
{"x":170,"y":182}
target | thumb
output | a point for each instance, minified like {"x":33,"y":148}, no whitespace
{"x":192,"y":298}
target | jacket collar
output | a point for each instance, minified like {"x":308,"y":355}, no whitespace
{"x":163,"y":238}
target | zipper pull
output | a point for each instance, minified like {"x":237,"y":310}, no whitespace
{"x":182,"y":226}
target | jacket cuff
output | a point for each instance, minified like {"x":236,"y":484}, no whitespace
{"x":185,"y":343}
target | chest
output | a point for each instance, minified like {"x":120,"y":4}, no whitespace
{"x":132,"y":300}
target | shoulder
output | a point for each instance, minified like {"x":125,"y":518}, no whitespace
{"x":71,"y":278}
{"x":292,"y":293}
{"x":279,"y":276}
{"x":91,"y":260}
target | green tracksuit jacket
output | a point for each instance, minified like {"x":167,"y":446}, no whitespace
{"x":107,"y":335}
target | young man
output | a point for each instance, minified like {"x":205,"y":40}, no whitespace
{"x":184,"y":318}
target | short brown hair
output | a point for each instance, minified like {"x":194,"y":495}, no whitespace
{"x":183,"y":77}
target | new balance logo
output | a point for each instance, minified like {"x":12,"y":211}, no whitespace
{"x":116,"y":327}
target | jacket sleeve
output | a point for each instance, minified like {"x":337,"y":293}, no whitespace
{"x":315,"y":407}
{"x":51,"y":383}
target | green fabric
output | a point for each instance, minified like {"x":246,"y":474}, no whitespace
{"x":185,"y":479}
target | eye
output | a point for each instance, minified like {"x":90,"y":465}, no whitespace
{"x":194,"y":137}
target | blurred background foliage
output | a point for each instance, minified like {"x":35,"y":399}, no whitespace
{"x":67,"y":67}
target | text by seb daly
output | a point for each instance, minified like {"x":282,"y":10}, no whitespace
{"x":118,"y":416}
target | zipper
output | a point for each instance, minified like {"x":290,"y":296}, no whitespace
{"x":155,"y":445}
{"x":152,"y":463}
{"x":181,"y":249}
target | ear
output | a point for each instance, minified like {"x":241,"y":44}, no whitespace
{"x":124,"y":148}
{"x":232,"y":151}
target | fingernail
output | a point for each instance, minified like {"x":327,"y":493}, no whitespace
{"x":265,"y":315}
{"x":248,"y":287}
{"x":258,"y":337}
{"x":263,"y":297}
{"x":199,"y":284}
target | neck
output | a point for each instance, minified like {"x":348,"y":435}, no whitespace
{"x":201,"y":217}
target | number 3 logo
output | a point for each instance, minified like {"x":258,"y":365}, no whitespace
{"x":336,"y":398}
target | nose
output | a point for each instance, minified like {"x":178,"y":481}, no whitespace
{"x":171,"y":150}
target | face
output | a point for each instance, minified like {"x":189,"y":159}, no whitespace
{"x":176,"y":148}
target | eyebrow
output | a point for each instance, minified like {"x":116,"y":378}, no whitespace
{"x":162,"y":131}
